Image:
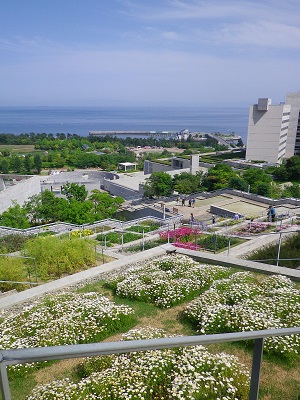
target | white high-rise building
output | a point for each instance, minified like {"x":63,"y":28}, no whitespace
{"x":293,"y":141}
{"x":267,"y":131}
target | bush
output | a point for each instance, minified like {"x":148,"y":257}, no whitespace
{"x":55,"y":256}
{"x":12,"y":269}
{"x":116,"y":237}
{"x":12,"y":243}
{"x":290,"y":248}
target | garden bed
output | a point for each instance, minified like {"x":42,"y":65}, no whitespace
{"x":147,"y":294}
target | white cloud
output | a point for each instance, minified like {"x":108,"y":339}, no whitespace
{"x":261,"y":33}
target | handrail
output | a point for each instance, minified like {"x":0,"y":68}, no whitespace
{"x":20,"y":356}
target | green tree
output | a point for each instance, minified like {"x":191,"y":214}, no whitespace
{"x":50,"y":210}
{"x":37,"y":162}
{"x":16,"y":164}
{"x":104,"y":205}
{"x":28,"y":164}
{"x":293,"y":168}
{"x":34,"y":208}
{"x":158,"y":184}
{"x":235,"y":182}
{"x":74,"y":191}
{"x":4,"y":167}
{"x":218,"y":177}
{"x":187,"y":183}
{"x":15,"y":217}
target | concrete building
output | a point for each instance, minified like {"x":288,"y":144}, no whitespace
{"x":17,"y":188}
{"x":268,"y":131}
{"x":293,"y":140}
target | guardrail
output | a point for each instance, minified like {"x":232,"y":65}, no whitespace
{"x":21,"y":356}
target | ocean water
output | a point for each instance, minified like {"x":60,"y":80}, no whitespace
{"x":81,"y":120}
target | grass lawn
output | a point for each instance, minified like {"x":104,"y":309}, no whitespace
{"x":22,"y":148}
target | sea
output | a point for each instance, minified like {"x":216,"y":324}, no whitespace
{"x":82,"y":120}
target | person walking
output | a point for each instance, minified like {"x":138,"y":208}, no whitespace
{"x":269,"y":214}
{"x":273,"y":213}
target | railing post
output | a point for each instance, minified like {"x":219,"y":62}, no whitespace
{"x":256,"y":365}
{"x":4,"y":383}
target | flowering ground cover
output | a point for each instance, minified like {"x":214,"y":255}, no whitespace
{"x":184,"y":373}
{"x":59,"y":319}
{"x":241,"y":303}
{"x":166,"y":281}
{"x":257,"y":228}
{"x":193,"y":239}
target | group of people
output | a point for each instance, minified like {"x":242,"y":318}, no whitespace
{"x":191,"y":201}
{"x":271,"y":214}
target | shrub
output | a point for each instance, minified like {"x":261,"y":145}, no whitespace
{"x":12,"y":269}
{"x":290,"y":249}
{"x":55,"y":256}
{"x":12,"y":243}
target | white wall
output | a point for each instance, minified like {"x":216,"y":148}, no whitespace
{"x":266,"y":133}
{"x":19,"y":191}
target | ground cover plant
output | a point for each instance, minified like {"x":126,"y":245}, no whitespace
{"x":241,"y":303}
{"x":166,"y":281}
{"x":143,"y":227}
{"x":188,"y":370}
{"x":289,"y":252}
{"x":255,"y":228}
{"x":184,"y":373}
{"x":66,"y":318}
{"x":193,"y":239}
{"x":112,"y":238}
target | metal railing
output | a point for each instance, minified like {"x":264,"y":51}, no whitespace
{"x":21,"y":356}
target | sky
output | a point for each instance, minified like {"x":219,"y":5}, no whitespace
{"x":148,"y":52}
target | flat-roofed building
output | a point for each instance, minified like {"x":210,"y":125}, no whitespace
{"x":267,"y":131}
{"x":293,"y":141}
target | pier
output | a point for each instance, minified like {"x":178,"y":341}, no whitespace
{"x":138,"y":133}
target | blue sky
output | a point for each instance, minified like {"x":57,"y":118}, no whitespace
{"x":154,"y":52}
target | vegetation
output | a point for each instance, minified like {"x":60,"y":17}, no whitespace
{"x":29,"y":153}
{"x":56,"y":257}
{"x":76,"y":208}
{"x":290,"y":249}
{"x":112,"y":238}
{"x":12,"y":243}
{"x":87,"y":316}
{"x":158,"y":184}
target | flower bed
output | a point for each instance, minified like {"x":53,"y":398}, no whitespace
{"x":240,"y":303}
{"x":193,"y":239}
{"x":184,"y":373}
{"x":67,"y":318}
{"x":254,"y":228}
{"x":166,"y":281}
